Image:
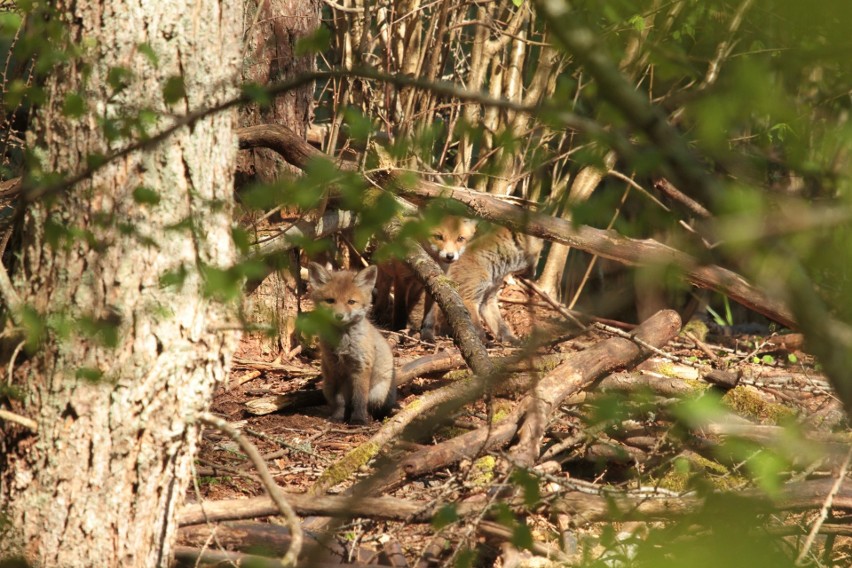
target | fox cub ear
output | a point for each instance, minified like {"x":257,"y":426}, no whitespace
{"x":318,"y":275}
{"x":366,"y":279}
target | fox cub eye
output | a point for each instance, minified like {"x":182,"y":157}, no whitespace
{"x":329,"y":300}
{"x":460,"y":239}
{"x":352,"y":302}
{"x":438,"y":237}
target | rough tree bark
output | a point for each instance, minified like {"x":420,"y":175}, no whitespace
{"x":125,"y":361}
{"x":271,"y":29}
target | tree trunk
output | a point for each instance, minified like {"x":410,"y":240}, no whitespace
{"x":125,"y":357}
{"x":271,"y":29}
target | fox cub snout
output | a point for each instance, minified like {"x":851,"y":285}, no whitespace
{"x":357,"y":369}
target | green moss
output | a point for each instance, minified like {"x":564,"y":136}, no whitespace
{"x":458,"y":375}
{"x":346,"y":466}
{"x":667,"y":369}
{"x":449,"y":432}
{"x":743,"y":400}
{"x":502,"y":409}
{"x":697,"y":328}
{"x":679,"y":478}
{"x":482,"y":472}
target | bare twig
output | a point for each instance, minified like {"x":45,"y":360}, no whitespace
{"x":272,"y":488}
{"x":18,"y":419}
{"x":823,"y":511}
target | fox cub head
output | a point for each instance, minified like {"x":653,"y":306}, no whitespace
{"x":345,"y":294}
{"x":449,"y":239}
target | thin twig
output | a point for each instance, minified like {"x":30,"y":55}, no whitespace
{"x":18,"y":419}
{"x":826,"y":506}
{"x":272,"y":488}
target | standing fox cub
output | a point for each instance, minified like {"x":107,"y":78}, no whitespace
{"x":357,"y":370}
{"x":445,"y":245}
{"x":480,"y":273}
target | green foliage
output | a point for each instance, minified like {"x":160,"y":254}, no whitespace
{"x":728,"y":319}
{"x":174,"y":89}
{"x":34,"y":327}
{"x":445,"y":516}
{"x":74,"y":105}
{"x":146,"y":196}
{"x":529,"y":483}
{"x":319,"y":322}
{"x":226,"y":284}
{"x":256,"y":94}
{"x":149,"y":53}
{"x":90,"y":374}
{"x":316,"y":42}
{"x":465,"y":558}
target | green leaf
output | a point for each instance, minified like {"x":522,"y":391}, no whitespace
{"x":222,"y":284}
{"x":791,"y":357}
{"x":317,"y":42}
{"x":95,"y":160}
{"x":257,"y":93}
{"x":522,"y":536}
{"x":518,"y":3}
{"x":445,"y":516}
{"x":768,"y":360}
{"x":146,"y":196}
{"x":466,"y":558}
{"x":700,"y":411}
{"x":10,"y":22}
{"x":148,"y":51}
{"x":89,"y":374}
{"x":529,"y":483}
{"x":119,"y":77}
{"x":174,"y":278}
{"x":74,"y":105}
{"x":174,"y":89}
{"x":34,"y":327}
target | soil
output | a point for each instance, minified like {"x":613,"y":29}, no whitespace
{"x":299,"y":445}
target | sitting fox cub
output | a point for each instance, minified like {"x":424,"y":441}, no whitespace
{"x":357,"y":370}
{"x":489,"y":259}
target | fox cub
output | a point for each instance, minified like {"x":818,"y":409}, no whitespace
{"x":481,"y":271}
{"x":357,"y":370}
{"x":445,"y":245}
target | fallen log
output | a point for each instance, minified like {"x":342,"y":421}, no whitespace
{"x":382,"y":508}
{"x":576,"y":372}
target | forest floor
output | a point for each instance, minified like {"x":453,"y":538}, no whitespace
{"x":636,"y":448}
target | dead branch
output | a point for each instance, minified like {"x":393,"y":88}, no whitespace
{"x":189,"y":556}
{"x":576,"y":372}
{"x":607,"y":506}
{"x":380,"y":508}
{"x":494,"y":530}
{"x":580,"y":371}
{"x":608,"y":244}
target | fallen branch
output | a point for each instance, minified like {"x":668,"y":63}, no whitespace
{"x":576,"y":372}
{"x":380,"y":508}
{"x":610,"y":505}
